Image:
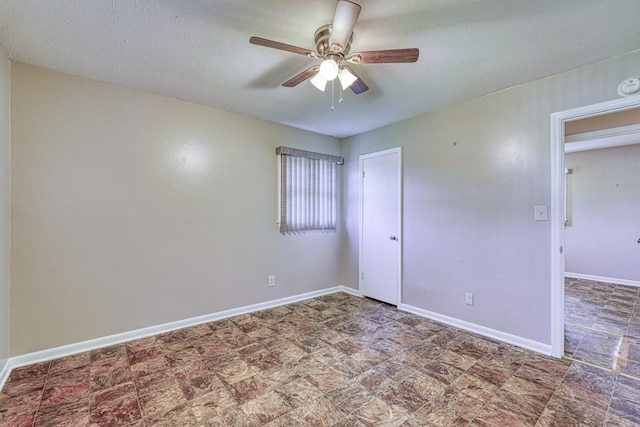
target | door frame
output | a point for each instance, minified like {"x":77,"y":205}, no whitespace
{"x":557,"y":205}
{"x":362,"y":158}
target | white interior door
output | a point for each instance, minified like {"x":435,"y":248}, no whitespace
{"x":380,"y":232}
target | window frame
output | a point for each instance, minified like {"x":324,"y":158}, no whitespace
{"x":293,"y":152}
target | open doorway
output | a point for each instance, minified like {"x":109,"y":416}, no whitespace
{"x":562,"y":124}
{"x":602,"y":272}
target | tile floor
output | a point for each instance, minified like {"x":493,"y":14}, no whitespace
{"x":602,"y":325}
{"x":336,"y":360}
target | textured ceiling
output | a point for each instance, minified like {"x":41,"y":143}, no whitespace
{"x":198,"y":50}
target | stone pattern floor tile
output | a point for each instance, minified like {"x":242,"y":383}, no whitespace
{"x":336,"y":360}
{"x":602,"y":325}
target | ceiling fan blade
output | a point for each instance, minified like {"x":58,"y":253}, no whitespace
{"x":343,"y":22}
{"x":283,"y":46}
{"x":384,"y":56}
{"x":358,"y":86}
{"x":296,"y":80}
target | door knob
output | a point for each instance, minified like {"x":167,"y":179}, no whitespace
{"x":393,"y":238}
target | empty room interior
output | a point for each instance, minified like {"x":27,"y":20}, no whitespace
{"x":331,"y":213}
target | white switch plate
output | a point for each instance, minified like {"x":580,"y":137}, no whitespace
{"x":272,"y":281}
{"x":540,"y":213}
{"x":468,"y":298}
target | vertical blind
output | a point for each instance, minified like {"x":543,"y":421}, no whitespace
{"x":308,"y":191}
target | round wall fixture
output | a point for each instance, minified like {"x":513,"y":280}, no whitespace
{"x":630,"y":86}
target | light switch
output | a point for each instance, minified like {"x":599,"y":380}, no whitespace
{"x":540,"y":213}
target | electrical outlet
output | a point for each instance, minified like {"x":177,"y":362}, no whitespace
{"x":468,"y":298}
{"x":272,"y":281}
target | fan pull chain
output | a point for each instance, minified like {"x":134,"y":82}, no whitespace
{"x":332,"y":92}
{"x":340,"y":89}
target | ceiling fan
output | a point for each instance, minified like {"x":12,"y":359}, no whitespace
{"x":333,"y":46}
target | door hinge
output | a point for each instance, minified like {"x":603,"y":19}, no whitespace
{"x":362,"y":276}
{"x":561,"y":249}
{"x":363,"y":174}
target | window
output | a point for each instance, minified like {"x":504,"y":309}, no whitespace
{"x":308,"y":191}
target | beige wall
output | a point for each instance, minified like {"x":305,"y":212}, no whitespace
{"x":468,"y":207}
{"x":5,"y":202}
{"x":132,"y":210}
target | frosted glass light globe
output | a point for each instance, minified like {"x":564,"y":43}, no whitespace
{"x":329,"y":69}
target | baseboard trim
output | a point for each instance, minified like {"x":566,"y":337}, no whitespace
{"x":480,"y":330}
{"x":603,"y":279}
{"x":81,"y":347}
{"x":5,"y":370}
{"x":350,"y":291}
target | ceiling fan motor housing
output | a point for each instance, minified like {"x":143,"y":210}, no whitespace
{"x":322,"y":36}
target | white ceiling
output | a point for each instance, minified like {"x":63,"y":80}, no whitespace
{"x":198,"y":50}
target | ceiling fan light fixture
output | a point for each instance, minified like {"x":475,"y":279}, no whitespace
{"x":333,"y":47}
{"x":319,"y":82}
{"x":346,"y":78}
{"x":329,"y":69}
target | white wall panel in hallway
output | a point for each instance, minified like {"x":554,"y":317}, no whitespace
{"x":601,"y":238}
